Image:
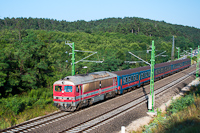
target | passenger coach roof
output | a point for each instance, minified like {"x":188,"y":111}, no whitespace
{"x":86,"y":78}
{"x":134,"y":70}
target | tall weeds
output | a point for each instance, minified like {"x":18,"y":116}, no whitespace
{"x":19,"y":108}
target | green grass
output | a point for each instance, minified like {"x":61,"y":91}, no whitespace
{"x":186,"y":120}
{"x":182,"y":116}
{"x":19,"y":108}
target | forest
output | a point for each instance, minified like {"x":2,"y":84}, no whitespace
{"x":33,"y":50}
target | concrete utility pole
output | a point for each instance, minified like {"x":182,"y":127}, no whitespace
{"x":73,"y":60}
{"x":73,"y":56}
{"x":197,"y":65}
{"x":191,"y":55}
{"x":178,"y":52}
{"x":172,"y":55}
{"x":152,"y":94}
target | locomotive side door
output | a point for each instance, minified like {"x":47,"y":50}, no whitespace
{"x":120,"y":83}
{"x":113,"y":84}
{"x":80,"y":92}
{"x":139,"y":78}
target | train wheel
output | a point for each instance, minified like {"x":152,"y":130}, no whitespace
{"x":124,"y":91}
{"x":113,"y":94}
{"x":79,"y":106}
{"x":134,"y":88}
{"x":118,"y":92}
{"x":106,"y":96}
{"x":129,"y":89}
{"x":90,"y":102}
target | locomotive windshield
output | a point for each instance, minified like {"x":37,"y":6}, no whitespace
{"x":68,"y":88}
{"x":58,"y":88}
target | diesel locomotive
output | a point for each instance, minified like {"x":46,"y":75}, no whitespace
{"x":74,"y":92}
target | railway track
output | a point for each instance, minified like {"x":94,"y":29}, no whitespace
{"x":37,"y":122}
{"x":104,"y":118}
{"x":89,"y":124}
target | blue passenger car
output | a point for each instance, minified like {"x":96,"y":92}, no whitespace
{"x":138,"y":76}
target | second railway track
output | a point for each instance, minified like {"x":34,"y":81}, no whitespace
{"x":36,"y":123}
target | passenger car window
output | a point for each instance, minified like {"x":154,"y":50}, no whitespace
{"x":141,"y":75}
{"x":124,"y":80}
{"x":136,"y":77}
{"x":131,"y":77}
{"x":145,"y":74}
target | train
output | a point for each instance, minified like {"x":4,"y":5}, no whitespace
{"x":74,"y":92}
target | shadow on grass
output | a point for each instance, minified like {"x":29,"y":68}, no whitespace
{"x":187,"y":126}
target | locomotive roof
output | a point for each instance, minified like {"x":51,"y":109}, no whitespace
{"x":86,"y":78}
{"x":134,"y":70}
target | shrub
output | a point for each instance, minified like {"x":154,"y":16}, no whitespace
{"x":16,"y":104}
{"x":183,"y":115}
{"x":40,"y":103}
{"x":36,"y":93}
{"x":180,"y":104}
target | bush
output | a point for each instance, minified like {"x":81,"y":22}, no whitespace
{"x":181,"y":103}
{"x":18,"y":108}
{"x":40,"y":103}
{"x":36,"y":92}
{"x":183,"y":115}
{"x":16,"y":104}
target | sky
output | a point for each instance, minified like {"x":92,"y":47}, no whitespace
{"x":182,"y":12}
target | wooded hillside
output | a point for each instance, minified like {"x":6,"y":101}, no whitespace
{"x":126,"y":25}
{"x":32,"y":50}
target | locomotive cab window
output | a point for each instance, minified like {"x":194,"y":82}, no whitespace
{"x":68,"y":88}
{"x":58,"y":88}
{"x":77,"y":88}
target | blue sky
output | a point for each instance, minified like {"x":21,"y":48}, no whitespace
{"x":183,"y":12}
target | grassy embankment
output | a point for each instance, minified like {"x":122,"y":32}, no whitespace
{"x":183,"y":115}
{"x":19,"y":108}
